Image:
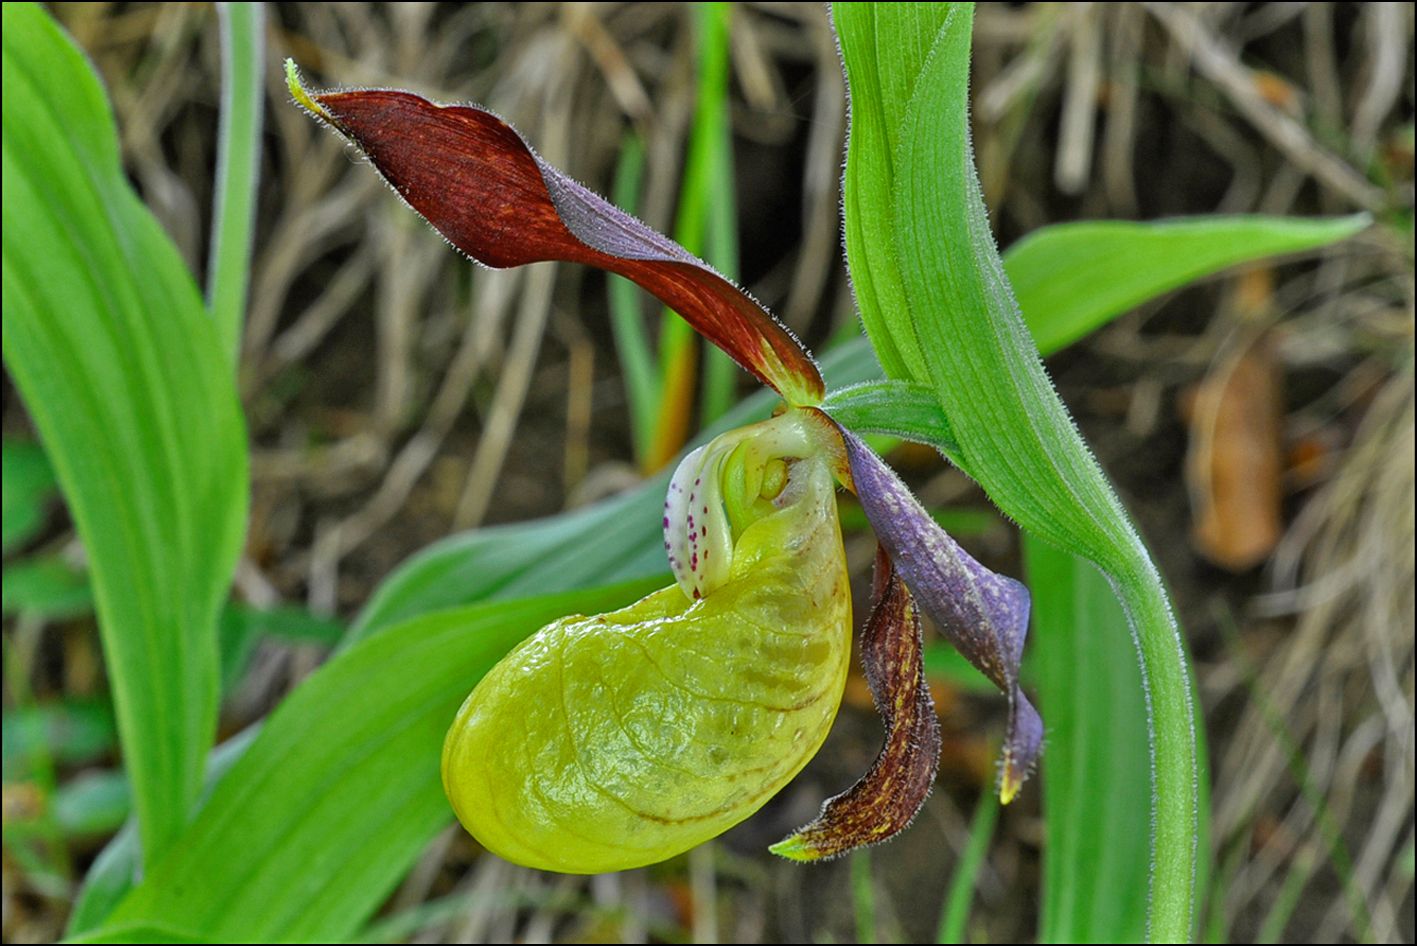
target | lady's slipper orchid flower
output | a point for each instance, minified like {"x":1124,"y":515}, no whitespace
{"x":618,"y":740}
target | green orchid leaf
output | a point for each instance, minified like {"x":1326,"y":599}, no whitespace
{"x":880,"y":81}
{"x":904,"y":409}
{"x":26,"y":485}
{"x":1073,"y":278}
{"x":1097,"y":842}
{"x":1097,"y":838}
{"x":326,"y":810}
{"x":131,"y":391}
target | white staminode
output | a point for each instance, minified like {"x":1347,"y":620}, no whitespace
{"x":697,"y":534}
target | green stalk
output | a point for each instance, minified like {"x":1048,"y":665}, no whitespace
{"x":642,"y":388}
{"x":713,"y":134}
{"x":981,"y":829}
{"x":705,"y":209}
{"x":238,"y":167}
{"x":863,"y":896}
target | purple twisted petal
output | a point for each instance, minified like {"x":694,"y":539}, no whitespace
{"x":984,"y":615}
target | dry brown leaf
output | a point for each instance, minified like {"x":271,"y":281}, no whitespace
{"x":1235,"y":463}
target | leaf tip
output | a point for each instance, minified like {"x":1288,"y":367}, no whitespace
{"x":302,"y":97}
{"x":1358,"y":222}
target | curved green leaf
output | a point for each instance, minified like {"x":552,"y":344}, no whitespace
{"x":1020,"y":443}
{"x":1072,"y":278}
{"x":125,"y":378}
{"x":1096,"y":798}
{"x":340,"y":791}
{"x":26,"y":486}
{"x":878,"y":86}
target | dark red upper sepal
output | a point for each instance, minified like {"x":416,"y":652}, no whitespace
{"x":474,"y":178}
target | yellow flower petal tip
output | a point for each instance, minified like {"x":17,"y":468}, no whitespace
{"x":1009,"y":787}
{"x":297,"y":92}
{"x":795,"y":848}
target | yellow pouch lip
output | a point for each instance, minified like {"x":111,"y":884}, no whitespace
{"x":770,"y":563}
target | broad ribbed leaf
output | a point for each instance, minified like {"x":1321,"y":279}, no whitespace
{"x":124,"y":376}
{"x":474,"y":178}
{"x":878,"y":86}
{"x":325,"y":812}
{"x":1096,"y":797}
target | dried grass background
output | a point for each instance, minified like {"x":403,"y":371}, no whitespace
{"x":396,"y":393}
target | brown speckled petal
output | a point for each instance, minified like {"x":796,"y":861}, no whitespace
{"x":889,"y":795}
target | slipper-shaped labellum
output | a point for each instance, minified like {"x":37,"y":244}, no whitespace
{"x":617,"y":740}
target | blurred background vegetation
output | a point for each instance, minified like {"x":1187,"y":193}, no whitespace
{"x":1260,"y":427}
